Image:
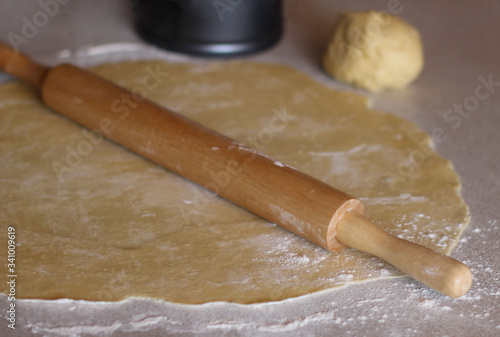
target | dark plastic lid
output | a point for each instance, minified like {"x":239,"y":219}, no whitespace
{"x":210,"y":27}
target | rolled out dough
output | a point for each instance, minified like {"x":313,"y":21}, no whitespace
{"x":97,"y":222}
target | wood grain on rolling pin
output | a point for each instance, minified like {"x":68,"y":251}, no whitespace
{"x":280,"y":194}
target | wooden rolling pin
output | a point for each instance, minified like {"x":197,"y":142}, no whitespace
{"x":276,"y":192}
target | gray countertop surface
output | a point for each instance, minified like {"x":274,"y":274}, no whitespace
{"x":462,"y":49}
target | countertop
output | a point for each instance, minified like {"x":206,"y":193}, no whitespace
{"x":461,"y":50}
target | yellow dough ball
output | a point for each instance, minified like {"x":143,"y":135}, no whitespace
{"x":374,"y":51}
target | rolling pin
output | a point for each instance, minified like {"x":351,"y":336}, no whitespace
{"x":293,"y":200}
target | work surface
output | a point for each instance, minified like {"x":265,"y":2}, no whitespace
{"x":462,"y":51}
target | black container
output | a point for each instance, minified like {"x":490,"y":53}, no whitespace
{"x":210,"y":27}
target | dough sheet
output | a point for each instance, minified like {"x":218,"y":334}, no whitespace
{"x":97,"y":222}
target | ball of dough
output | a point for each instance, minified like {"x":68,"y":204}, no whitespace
{"x":374,"y":51}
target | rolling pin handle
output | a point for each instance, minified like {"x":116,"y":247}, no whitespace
{"x":439,"y":272}
{"x":18,"y":65}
